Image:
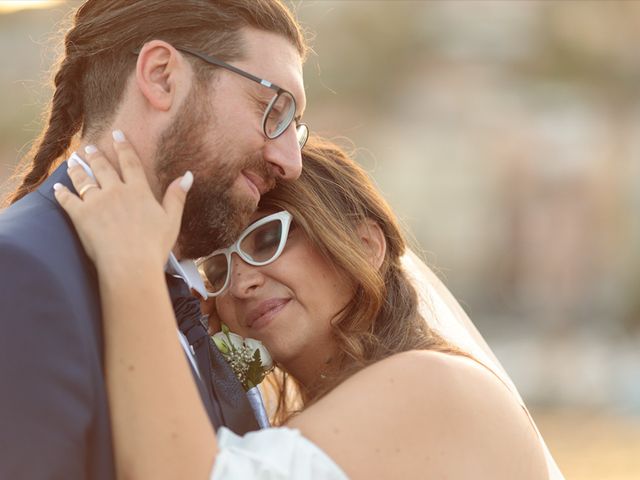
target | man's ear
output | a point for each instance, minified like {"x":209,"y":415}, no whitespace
{"x":160,"y":70}
{"x":372,"y":238}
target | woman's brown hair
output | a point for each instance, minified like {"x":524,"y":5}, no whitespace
{"x":332,"y":198}
{"x":98,"y":59}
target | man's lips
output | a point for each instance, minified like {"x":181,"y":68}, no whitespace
{"x":264,"y":311}
{"x":257,"y":182}
{"x":253,"y":188}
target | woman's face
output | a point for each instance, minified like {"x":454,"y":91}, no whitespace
{"x":287,"y":304}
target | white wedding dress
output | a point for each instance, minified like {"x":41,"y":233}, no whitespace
{"x":272,"y":454}
{"x":283,"y":453}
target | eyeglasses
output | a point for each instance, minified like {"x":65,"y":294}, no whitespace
{"x":280,"y":111}
{"x":261,"y":243}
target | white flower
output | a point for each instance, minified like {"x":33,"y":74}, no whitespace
{"x":240,"y":353}
{"x":265,"y":358}
{"x":237,"y":342}
{"x":226,"y":342}
{"x":220,"y":339}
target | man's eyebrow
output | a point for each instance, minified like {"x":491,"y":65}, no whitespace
{"x":259,"y":95}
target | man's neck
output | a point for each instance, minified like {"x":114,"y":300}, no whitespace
{"x":105,"y":145}
{"x":142,"y":141}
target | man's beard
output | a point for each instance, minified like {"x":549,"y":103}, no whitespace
{"x":213,"y":217}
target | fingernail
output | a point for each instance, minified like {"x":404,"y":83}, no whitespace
{"x":72,"y":162}
{"x":118,"y":136}
{"x":186,"y":181}
{"x":90,"y":149}
{"x":57,"y":186}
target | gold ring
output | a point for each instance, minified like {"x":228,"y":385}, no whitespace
{"x":86,"y":188}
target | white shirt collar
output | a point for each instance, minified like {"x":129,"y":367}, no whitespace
{"x":186,"y":269}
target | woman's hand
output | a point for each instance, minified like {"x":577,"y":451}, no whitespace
{"x":118,"y":219}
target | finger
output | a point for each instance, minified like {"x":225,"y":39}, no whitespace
{"x":69,"y":202}
{"x":101,"y":167}
{"x":175,"y":196}
{"x":130,"y":164}
{"x":79,"y":177}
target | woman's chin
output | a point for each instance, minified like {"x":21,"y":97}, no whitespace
{"x":279,"y":357}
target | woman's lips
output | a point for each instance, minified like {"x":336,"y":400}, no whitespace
{"x":264,"y":313}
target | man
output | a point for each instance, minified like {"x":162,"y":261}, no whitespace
{"x":210,"y":86}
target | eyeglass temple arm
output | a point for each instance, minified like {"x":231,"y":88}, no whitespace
{"x":222,"y":64}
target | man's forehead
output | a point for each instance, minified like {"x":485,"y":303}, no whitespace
{"x":274,"y":58}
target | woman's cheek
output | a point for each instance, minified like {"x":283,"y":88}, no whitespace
{"x":223,"y":313}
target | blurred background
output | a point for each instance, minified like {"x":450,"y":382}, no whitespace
{"x":506,"y":135}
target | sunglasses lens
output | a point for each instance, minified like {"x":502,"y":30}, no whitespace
{"x":280,"y":115}
{"x":261,"y":245}
{"x":214,"y":270}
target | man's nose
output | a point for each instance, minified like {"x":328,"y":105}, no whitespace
{"x":283,"y":155}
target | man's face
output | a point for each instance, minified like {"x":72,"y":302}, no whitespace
{"x":217,"y":134}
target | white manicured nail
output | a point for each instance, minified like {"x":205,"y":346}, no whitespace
{"x":72,"y":162}
{"x":118,"y":136}
{"x":186,"y":181}
{"x":90,"y":149}
{"x":57,"y":186}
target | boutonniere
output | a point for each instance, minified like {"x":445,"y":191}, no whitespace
{"x":248,"y":358}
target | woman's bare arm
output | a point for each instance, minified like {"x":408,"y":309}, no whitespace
{"x":160,"y":427}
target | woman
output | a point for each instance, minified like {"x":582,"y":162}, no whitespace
{"x":385,"y":397}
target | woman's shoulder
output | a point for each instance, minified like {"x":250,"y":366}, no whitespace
{"x":419,"y":371}
{"x":434,"y":411}
{"x":440,"y":366}
{"x":444,"y":389}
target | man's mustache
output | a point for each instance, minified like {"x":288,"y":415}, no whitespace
{"x":259,"y":166}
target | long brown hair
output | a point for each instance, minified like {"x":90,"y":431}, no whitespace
{"x":332,"y":198}
{"x":97,"y":60}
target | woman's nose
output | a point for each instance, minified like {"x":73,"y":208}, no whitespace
{"x":244,"y":278}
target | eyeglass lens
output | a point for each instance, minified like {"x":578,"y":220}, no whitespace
{"x":262,"y":243}
{"x":259,"y":246}
{"x":302,"y":132}
{"x":280,"y":115}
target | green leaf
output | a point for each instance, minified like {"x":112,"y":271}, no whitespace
{"x":254,"y":374}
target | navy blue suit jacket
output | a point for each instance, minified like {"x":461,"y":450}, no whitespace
{"x":53,"y":404}
{"x":54,"y":418}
